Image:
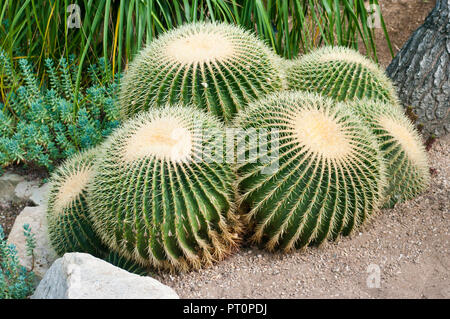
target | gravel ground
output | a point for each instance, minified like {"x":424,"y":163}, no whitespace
{"x":409,"y":244}
{"x":8,"y":213}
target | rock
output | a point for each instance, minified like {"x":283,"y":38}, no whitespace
{"x":8,"y":184}
{"x":25,"y":189}
{"x":39,"y":196}
{"x":14,"y":188}
{"x":43,"y":253}
{"x":82,"y":276}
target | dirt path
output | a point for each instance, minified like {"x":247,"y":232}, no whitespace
{"x":409,"y":244}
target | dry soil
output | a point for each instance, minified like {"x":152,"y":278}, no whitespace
{"x":408,"y":244}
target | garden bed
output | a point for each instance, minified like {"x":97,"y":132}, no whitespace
{"x":410,"y":245}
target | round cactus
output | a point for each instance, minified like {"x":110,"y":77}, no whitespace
{"x":158,"y":198}
{"x":119,"y":261}
{"x":69,"y":223}
{"x":217,"y":67}
{"x":402,"y":148}
{"x":340,"y":73}
{"x":330,"y":173}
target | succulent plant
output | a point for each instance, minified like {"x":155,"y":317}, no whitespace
{"x":401,"y":146}
{"x":157,"y":198}
{"x":330,"y":174}
{"x":216,"y":67}
{"x":69,"y":222}
{"x":340,"y":73}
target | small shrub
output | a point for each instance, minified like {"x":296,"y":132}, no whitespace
{"x":42,"y":126}
{"x":16,"y":282}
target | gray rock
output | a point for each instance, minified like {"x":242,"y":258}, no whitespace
{"x":25,"y":189}
{"x":44,"y":255}
{"x":8,"y":184}
{"x":82,"y":276}
{"x":39,"y":196}
{"x":15,"y":188}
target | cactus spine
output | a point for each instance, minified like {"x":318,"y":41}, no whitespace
{"x":157,"y":200}
{"x":119,"y":261}
{"x":69,"y":222}
{"x":402,"y":148}
{"x":216,"y":67}
{"x":330,"y":176}
{"x":340,"y":73}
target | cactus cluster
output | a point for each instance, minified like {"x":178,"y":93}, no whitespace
{"x":330,"y":177}
{"x":402,"y":149}
{"x":69,"y":222}
{"x":156,"y":199}
{"x":329,"y":153}
{"x":340,"y":73}
{"x":216,"y":67}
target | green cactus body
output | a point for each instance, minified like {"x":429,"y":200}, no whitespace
{"x":69,"y":223}
{"x":216,"y":67}
{"x":402,"y":148}
{"x":119,"y":261}
{"x":340,"y":73}
{"x":157,"y":199}
{"x":330,"y":174}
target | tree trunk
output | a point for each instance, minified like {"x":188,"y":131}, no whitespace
{"x":421,"y":72}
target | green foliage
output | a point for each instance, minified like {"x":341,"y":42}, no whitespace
{"x":16,"y":282}
{"x":30,"y":241}
{"x":157,"y":199}
{"x":69,"y":222}
{"x":41,"y":126}
{"x":330,"y":175}
{"x":217,"y":67}
{"x":340,"y":73}
{"x":118,"y":29}
{"x":406,"y":159}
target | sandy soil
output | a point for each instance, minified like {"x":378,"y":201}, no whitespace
{"x":402,"y":18}
{"x":409,"y":244}
{"x":8,"y":213}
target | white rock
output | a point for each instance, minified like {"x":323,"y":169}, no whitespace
{"x":43,"y":253}
{"x":82,"y":276}
{"x":39,"y":196}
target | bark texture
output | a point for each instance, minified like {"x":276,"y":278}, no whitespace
{"x":421,"y":72}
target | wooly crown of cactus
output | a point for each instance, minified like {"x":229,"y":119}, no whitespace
{"x":330,"y":176}
{"x":69,"y":222}
{"x":340,"y":73}
{"x":401,"y":146}
{"x":156,"y":198}
{"x":217,"y":67}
